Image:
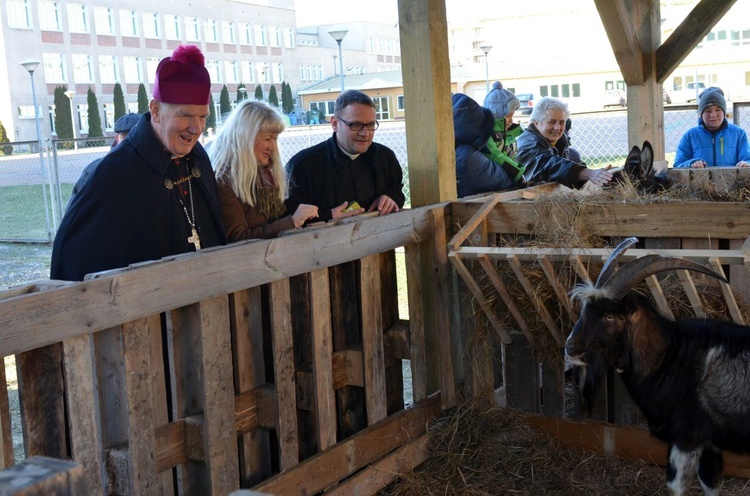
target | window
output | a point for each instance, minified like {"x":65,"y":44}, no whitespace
{"x":109,"y":116}
{"x":263,"y":73}
{"x":211,"y":32}
{"x":128,"y":23}
{"x":151,"y":25}
{"x":151,"y":64}
{"x":81,"y":114}
{"x":231,"y":71}
{"x":49,"y":16}
{"x":83,"y":71}
{"x":288,"y":37}
{"x":260,"y":35}
{"x":78,"y":18}
{"x":246,"y":34}
{"x":576,"y":89}
{"x":54,"y":68}
{"x":382,"y":108}
{"x":326,"y":107}
{"x":543,"y":91}
{"x":555,"y":90}
{"x":108,"y":69}
{"x":227,"y":32}
{"x":566,"y":91}
{"x":400,"y":102}
{"x":212,"y":66}
{"x":19,"y":14}
{"x":104,"y":21}
{"x":172,"y":27}
{"x":27,"y":112}
{"x":277,"y":72}
{"x":274,"y":36}
{"x":248,"y":75}
{"x":192,"y":29}
{"x":133,"y":71}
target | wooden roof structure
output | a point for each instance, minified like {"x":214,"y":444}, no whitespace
{"x":633,"y":30}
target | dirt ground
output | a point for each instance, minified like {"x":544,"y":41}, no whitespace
{"x":21,"y":263}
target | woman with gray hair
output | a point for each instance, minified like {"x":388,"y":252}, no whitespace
{"x":545,"y":151}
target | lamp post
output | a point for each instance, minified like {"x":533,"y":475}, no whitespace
{"x":30,"y":65}
{"x":486,"y":49}
{"x":339,"y":36}
{"x":243,"y":92}
{"x":70,"y":94}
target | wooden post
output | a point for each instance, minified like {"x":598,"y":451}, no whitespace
{"x":43,"y":475}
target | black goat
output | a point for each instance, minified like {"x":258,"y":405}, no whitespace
{"x":639,"y":168}
{"x":690,"y":378}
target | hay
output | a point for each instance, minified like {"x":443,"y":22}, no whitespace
{"x":486,"y":451}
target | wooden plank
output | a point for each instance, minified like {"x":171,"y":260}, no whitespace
{"x":347,"y":369}
{"x":40,"y":391}
{"x":620,"y":20}
{"x":726,"y":290}
{"x":144,"y":477}
{"x":124,"y":295}
{"x":739,"y":274}
{"x":249,"y":372}
{"x":466,"y":229}
{"x":378,"y":475}
{"x":502,"y":290}
{"x":658,"y":294}
{"x":417,"y":353}
{"x":7,"y":456}
{"x":624,"y":442}
{"x":479,"y":297}
{"x":427,"y":93}
{"x":442,"y":305}
{"x":349,"y":456}
{"x":521,"y":376}
{"x":580,"y":268}
{"x":83,"y":408}
{"x":515,"y":264}
{"x":527,"y":254}
{"x":42,"y":475}
{"x":325,"y":399}
{"x":372,"y":339}
{"x":553,"y":389}
{"x":283,"y":360}
{"x":691,"y":292}
{"x":719,"y":220}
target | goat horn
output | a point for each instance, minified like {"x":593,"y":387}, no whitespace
{"x":639,"y":269}
{"x":611,"y":263}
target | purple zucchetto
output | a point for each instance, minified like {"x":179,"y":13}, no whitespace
{"x":183,"y":78}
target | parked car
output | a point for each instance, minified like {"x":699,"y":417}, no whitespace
{"x":689,"y":93}
{"x":527,"y":102}
{"x":614,"y":98}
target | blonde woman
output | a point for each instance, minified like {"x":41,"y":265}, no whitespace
{"x":250,"y":175}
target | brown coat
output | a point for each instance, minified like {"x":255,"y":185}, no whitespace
{"x":245,"y":222}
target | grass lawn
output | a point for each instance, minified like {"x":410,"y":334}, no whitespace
{"x":22,"y":216}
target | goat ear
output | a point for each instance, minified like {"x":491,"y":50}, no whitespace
{"x":633,"y":164}
{"x":647,"y":159}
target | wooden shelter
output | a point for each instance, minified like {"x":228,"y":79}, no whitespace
{"x":277,"y":364}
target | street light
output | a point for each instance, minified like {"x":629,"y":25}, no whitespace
{"x":31,"y":65}
{"x":486,"y":49}
{"x":339,"y":36}
{"x":243,"y":92}
{"x":70,"y":94}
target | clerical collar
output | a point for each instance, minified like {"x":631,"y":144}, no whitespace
{"x":353,"y":157}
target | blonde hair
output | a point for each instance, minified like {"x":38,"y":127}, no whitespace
{"x":231,"y":151}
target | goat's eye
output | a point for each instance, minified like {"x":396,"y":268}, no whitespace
{"x":609,"y":317}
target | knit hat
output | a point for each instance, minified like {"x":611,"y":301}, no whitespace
{"x":712,"y":96}
{"x":183,"y":78}
{"x":127,"y":122}
{"x":501,"y":101}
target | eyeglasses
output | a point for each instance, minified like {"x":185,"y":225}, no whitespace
{"x":358,"y":126}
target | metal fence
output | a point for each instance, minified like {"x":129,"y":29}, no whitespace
{"x":34,"y":187}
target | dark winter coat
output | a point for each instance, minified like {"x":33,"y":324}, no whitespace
{"x":326,"y":177}
{"x":547,"y":163}
{"x":124,"y":213}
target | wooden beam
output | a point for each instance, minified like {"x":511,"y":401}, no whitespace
{"x":688,"y":34}
{"x":425,"y":66}
{"x":621,"y":19}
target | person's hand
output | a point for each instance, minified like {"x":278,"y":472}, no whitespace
{"x":303,"y":213}
{"x":742,"y":163}
{"x":598,"y":177}
{"x":338,"y":212}
{"x":384,"y":205}
{"x":698,"y":164}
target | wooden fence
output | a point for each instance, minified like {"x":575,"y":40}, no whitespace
{"x":276,"y":365}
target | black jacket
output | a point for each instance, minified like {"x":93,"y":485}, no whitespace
{"x":324,"y":176}
{"x":545,"y":162}
{"x":124,"y":214}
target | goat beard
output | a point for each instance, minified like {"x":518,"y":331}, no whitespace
{"x":588,"y":380}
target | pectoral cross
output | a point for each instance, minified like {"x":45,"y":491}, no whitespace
{"x":195,"y":239}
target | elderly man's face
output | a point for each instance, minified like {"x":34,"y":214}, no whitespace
{"x":178,"y":126}
{"x":552,"y":126}
{"x":354,"y":142}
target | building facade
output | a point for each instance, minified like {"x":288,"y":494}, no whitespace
{"x":95,"y":44}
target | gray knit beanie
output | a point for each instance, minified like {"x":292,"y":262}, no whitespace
{"x":712,"y":96}
{"x":500,"y":101}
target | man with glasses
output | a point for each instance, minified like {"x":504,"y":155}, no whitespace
{"x":348,"y":169}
